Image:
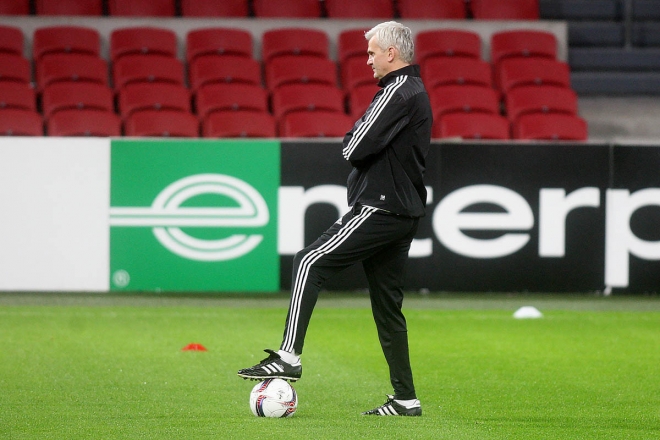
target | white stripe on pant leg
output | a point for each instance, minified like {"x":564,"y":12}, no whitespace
{"x":306,"y":263}
{"x":309,"y":260}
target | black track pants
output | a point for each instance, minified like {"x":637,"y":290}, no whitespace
{"x":381,"y":242}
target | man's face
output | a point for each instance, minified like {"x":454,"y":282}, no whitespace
{"x":378,"y":58}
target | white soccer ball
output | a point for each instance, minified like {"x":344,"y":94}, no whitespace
{"x":273,"y":398}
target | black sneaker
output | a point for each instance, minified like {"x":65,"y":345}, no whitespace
{"x":272,"y":367}
{"x":391,"y":408}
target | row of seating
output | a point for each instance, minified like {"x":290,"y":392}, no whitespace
{"x":410,"y":9}
{"x":298,"y":75}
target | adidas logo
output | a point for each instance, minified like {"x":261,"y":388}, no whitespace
{"x":273,"y":368}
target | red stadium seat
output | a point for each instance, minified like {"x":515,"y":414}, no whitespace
{"x":287,"y":8}
{"x":69,"y":7}
{"x":359,"y":99}
{"x":239,"y":124}
{"x":14,"y":7}
{"x":75,"y":95}
{"x":432,"y":9}
{"x":147,"y":68}
{"x":141,"y":8}
{"x":230,"y":97}
{"x":516,"y":72}
{"x":210,"y":69}
{"x":447,"y":43}
{"x":359,"y":8}
{"x":161,"y":123}
{"x":11,"y":40}
{"x":71,"y":67}
{"x":20,"y":122}
{"x":218,"y":41}
{"x":153,"y":96}
{"x":294,"y":41}
{"x":472,"y":126}
{"x":456,"y":70}
{"x":300,"y":69}
{"x":356,"y":72}
{"x":17,"y":95}
{"x":65,"y":39}
{"x":315,"y":124}
{"x":505,"y":9}
{"x":83,"y":123}
{"x":14,"y":68}
{"x":142,"y":41}
{"x":465,"y":99}
{"x":522,"y":43}
{"x":550,"y":126}
{"x":540,"y":99}
{"x":307,"y":97}
{"x":214,"y":8}
{"x":351,"y":43}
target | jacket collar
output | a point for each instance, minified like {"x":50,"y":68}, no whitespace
{"x":411,"y":70}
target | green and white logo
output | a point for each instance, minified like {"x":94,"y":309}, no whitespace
{"x":194,"y":216}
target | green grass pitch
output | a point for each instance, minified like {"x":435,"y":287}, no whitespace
{"x":111,"y":367}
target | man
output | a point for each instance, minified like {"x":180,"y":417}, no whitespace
{"x":387,"y":149}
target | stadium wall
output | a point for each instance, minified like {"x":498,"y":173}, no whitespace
{"x":228,"y":215}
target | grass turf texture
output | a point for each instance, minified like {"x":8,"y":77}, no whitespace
{"x":97,"y":366}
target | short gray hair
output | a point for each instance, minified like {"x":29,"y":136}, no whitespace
{"x":391,"y":33}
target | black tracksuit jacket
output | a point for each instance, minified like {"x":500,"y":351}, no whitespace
{"x":388,"y":146}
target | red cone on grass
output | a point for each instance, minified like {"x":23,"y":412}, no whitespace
{"x":194,"y":347}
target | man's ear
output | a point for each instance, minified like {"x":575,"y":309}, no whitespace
{"x":391,"y":53}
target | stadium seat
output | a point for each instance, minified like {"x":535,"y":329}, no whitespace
{"x":69,"y":7}
{"x":83,"y":123}
{"x":147,"y":68}
{"x":447,"y":43}
{"x":300,"y":69}
{"x":14,"y":68}
{"x":214,"y":8}
{"x":359,"y":99}
{"x":153,"y":96}
{"x":141,"y":8}
{"x":142,"y":41}
{"x":14,"y":7}
{"x":71,"y":67}
{"x":306,"y":97}
{"x":472,"y":126}
{"x":17,"y":95}
{"x":540,"y":99}
{"x":20,"y":122}
{"x":239,"y":124}
{"x":65,"y":39}
{"x":516,"y":72}
{"x":161,"y":123}
{"x":230,"y":97}
{"x":359,"y":8}
{"x":432,"y":9}
{"x":74,"y":95}
{"x":210,"y":69}
{"x":293,"y":41}
{"x":11,"y":40}
{"x":550,"y":126}
{"x":315,"y":124}
{"x":456,"y":70}
{"x":466,"y":99}
{"x":356,"y":72}
{"x":522,"y":43}
{"x":505,"y":9}
{"x":351,"y":43}
{"x":287,"y":8}
{"x":218,"y":41}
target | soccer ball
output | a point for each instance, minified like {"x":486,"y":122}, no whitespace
{"x":273,"y":398}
